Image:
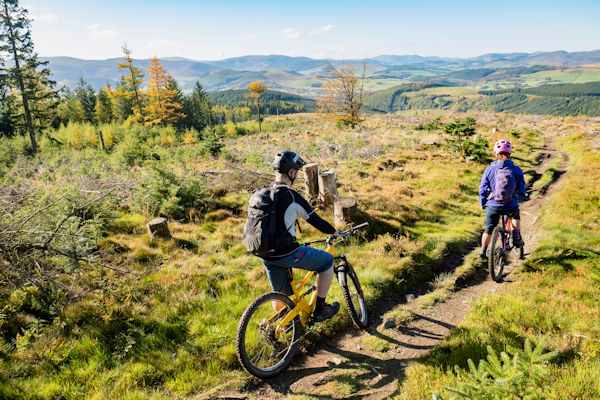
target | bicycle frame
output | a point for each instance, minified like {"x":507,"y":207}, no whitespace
{"x":303,"y":307}
{"x":506,"y":230}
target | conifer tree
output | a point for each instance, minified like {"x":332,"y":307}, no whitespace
{"x":86,"y":96}
{"x":132,"y":79}
{"x":162,"y":107}
{"x":103,"y":107}
{"x":26,"y":74}
{"x":121,"y":104}
{"x":198,"y":109}
{"x":256,"y":90}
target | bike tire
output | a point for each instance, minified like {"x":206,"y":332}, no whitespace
{"x":353,"y":296}
{"x":497,"y":257}
{"x":259,"y":352}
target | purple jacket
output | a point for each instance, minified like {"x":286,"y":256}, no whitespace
{"x":488,"y":182}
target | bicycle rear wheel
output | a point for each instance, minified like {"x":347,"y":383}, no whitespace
{"x":353,"y":295}
{"x":262,"y":348}
{"x":497,"y":256}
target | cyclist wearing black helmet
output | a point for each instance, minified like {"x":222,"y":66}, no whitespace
{"x":290,"y":254}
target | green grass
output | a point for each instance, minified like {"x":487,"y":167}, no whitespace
{"x":555,"y":297}
{"x":167,"y":328}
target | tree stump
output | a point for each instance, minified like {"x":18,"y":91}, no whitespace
{"x":344,"y":210}
{"x":327,"y":188}
{"x":158,"y":227}
{"x":311,"y":180}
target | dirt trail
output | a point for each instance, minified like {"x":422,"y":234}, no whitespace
{"x":317,"y":372}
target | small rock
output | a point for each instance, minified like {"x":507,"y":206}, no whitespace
{"x":336,"y":360}
{"x":535,"y":220}
{"x":389,"y":323}
{"x":358,"y":347}
{"x":494,"y":130}
{"x":403,"y":364}
{"x":398,"y":169}
{"x":410,"y":297}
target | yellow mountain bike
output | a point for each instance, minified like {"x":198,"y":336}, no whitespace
{"x":270,"y":328}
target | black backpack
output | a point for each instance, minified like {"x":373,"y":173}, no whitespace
{"x":260,"y":231}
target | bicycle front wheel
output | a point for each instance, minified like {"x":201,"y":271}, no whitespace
{"x":353,"y":296}
{"x":263,"y":347}
{"x":497,"y":256}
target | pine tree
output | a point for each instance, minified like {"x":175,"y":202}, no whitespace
{"x":198,"y":109}
{"x":133,"y":79}
{"x":26,"y":75}
{"x":86,"y":96}
{"x":162,"y":107}
{"x":256,"y":90}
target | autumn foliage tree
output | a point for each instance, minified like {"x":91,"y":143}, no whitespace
{"x":344,"y":97}
{"x":256,"y":90}
{"x":162,"y":107}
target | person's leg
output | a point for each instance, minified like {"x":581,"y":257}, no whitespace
{"x":321,"y":262}
{"x":324,"y":282}
{"x":515,"y":216}
{"x":491,"y":220}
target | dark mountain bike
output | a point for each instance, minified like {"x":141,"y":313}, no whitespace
{"x":500,"y":246}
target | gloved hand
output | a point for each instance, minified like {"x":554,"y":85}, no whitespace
{"x":340,"y":234}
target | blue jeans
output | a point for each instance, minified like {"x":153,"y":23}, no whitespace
{"x":492,"y":215}
{"x":307,"y":258}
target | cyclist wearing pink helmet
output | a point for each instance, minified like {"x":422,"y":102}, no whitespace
{"x":502,"y":185}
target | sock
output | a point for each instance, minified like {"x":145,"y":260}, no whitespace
{"x":483,"y":249}
{"x":320,"y":303}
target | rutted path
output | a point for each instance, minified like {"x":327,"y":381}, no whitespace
{"x":376,"y":358}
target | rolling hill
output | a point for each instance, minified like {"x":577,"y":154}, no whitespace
{"x":298,"y":74}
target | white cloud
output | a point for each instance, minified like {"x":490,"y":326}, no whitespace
{"x":291,"y":33}
{"x":322,"y":29}
{"x":160,"y":43}
{"x":94,"y":27}
{"x":250,"y":36}
{"x":104,"y":34}
{"x":99,"y":34}
{"x":45,"y":18}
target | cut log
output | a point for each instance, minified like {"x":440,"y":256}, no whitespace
{"x":344,"y":210}
{"x":311,"y":180}
{"x":327,"y":188}
{"x":159,"y":227}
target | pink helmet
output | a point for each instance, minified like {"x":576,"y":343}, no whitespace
{"x":502,"y":146}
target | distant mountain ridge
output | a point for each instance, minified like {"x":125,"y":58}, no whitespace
{"x":299,"y":74}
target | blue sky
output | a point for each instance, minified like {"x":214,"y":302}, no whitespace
{"x":210,"y":30}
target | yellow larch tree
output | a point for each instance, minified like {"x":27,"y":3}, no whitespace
{"x":162,"y":107}
{"x":132,"y":84}
{"x":256,"y":90}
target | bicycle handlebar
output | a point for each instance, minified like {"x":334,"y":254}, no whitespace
{"x":349,"y":231}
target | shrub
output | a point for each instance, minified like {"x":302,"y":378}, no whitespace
{"x":166,"y":194}
{"x":211,"y":143}
{"x":513,"y":375}
{"x":460,"y":135}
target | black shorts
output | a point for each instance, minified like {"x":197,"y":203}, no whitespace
{"x":493,"y":213}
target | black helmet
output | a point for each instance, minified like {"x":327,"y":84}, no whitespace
{"x":287,"y":160}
